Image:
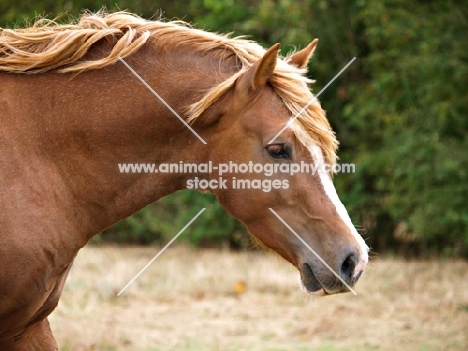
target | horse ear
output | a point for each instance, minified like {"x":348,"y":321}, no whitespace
{"x":301,"y":58}
{"x":258,"y":74}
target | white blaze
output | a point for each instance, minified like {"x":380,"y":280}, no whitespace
{"x":333,"y":196}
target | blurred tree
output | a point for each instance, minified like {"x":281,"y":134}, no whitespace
{"x":408,"y":125}
{"x":399,"y":111}
{"x":161,"y":221}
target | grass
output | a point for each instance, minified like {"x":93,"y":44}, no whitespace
{"x":211,"y":300}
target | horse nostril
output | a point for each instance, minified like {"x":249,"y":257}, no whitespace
{"x":347,"y":268}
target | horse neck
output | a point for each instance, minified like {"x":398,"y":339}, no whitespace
{"x":88,"y":125}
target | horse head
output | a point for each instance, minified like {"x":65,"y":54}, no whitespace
{"x":246,"y":121}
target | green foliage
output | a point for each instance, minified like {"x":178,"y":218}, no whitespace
{"x":161,"y":221}
{"x":408,"y":119}
{"x":400,"y":111}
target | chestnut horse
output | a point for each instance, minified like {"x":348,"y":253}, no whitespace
{"x":71,"y":111}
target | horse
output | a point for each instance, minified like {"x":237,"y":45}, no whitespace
{"x":71,"y":111}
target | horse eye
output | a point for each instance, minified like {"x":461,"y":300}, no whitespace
{"x":278,"y":151}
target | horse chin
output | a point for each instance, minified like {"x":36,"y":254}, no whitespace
{"x":320,"y":292}
{"x":310,"y":283}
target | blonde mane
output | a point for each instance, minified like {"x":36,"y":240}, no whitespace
{"x":50,"y":46}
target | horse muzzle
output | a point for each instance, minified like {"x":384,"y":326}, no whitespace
{"x":318,"y":279}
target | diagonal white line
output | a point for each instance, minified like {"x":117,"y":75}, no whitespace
{"x":162,"y":100}
{"x":160,"y":252}
{"x":312,"y":250}
{"x":311,"y":101}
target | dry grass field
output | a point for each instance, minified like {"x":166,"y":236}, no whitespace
{"x":197,"y":300}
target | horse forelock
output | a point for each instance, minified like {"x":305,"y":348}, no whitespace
{"x":47,"y":46}
{"x":310,"y":126}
